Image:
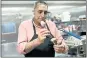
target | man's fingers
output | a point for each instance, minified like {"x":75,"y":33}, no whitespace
{"x":59,"y":49}
{"x":44,"y":31}
{"x":59,"y":46}
{"x":42,"y":34}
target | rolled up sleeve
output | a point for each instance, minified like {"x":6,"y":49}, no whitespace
{"x":60,"y":38}
{"x":22,"y":39}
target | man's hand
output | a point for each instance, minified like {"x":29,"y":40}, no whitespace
{"x":42,"y":34}
{"x":59,"y":48}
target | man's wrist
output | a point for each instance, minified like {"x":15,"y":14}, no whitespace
{"x":40,"y":40}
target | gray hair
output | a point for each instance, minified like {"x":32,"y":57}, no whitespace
{"x":41,"y":2}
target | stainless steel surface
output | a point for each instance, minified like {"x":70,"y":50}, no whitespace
{"x":9,"y":50}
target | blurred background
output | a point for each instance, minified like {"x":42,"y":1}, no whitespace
{"x":69,"y":15}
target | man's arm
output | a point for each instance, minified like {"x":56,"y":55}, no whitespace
{"x":60,"y":40}
{"x":24,"y":46}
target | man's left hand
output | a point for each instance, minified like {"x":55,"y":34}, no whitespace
{"x":59,"y":48}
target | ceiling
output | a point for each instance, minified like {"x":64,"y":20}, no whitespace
{"x":43,"y":0}
{"x":76,"y":8}
{"x":50,"y":3}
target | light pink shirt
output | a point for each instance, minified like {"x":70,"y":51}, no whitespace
{"x":26,"y":33}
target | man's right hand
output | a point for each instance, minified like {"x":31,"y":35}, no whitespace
{"x":42,"y":34}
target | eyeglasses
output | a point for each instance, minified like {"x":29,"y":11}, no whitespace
{"x":40,"y":11}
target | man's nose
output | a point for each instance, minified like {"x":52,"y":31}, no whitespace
{"x":42,"y":14}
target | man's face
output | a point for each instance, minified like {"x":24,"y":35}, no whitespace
{"x":40,"y":12}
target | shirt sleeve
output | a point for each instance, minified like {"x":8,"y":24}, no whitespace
{"x":22,"y":39}
{"x":59,"y":38}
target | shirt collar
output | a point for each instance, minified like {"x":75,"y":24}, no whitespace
{"x":36,"y":25}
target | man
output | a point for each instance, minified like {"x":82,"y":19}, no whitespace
{"x":32,"y":37}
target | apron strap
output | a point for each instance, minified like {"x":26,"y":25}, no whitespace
{"x":34,"y":28}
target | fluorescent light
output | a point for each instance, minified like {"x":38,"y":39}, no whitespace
{"x":58,"y":7}
{"x":32,"y":2}
{"x":18,"y":2}
{"x":13,"y":8}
